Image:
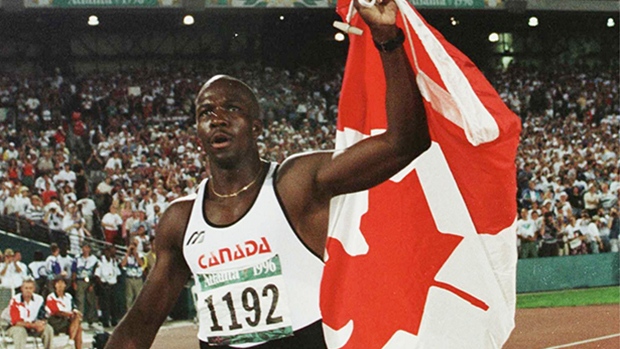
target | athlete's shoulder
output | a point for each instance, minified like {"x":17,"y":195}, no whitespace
{"x":303,"y":162}
{"x":175,"y":219}
{"x":184,"y":199}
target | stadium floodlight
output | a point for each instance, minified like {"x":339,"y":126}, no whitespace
{"x":533,"y":21}
{"x":493,"y":37}
{"x":93,"y":21}
{"x":610,"y":22}
{"x":188,"y":20}
{"x":339,"y":37}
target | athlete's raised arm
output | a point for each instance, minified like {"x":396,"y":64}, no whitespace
{"x":163,"y":285}
{"x":377,"y":158}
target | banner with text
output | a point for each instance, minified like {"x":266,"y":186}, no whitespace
{"x":101,"y":3}
{"x":458,"y":4}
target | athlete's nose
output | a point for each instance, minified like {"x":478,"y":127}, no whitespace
{"x":218,"y":117}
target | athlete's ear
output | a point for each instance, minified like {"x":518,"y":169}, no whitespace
{"x":257,"y":128}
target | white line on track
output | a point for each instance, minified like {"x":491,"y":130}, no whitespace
{"x":585,"y":341}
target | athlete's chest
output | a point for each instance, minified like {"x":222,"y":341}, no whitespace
{"x":227,"y":211}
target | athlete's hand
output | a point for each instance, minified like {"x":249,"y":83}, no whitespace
{"x":381,"y":19}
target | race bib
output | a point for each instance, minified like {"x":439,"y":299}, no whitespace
{"x":247,"y":305}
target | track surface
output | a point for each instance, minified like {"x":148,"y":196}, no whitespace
{"x":535,"y":329}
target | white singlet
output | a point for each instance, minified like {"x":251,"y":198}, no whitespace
{"x":255,"y":280}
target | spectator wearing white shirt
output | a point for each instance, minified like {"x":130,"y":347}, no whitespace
{"x":12,"y":271}
{"x":67,"y":175}
{"x":53,"y":215}
{"x":88,"y":208}
{"x":40,"y":183}
{"x":22,"y":201}
{"x":593,"y":236}
{"x":73,"y":226}
{"x":10,"y":153}
{"x":110,"y":223}
{"x":526,"y":233}
{"x":141,"y":239}
{"x":35,"y":211}
{"x":68,"y":195}
{"x":83,"y":277}
{"x":114,"y":162}
{"x":591,"y":200}
{"x":607,"y":198}
{"x":107,"y":278}
{"x":132,"y":264}
{"x":104,"y":187}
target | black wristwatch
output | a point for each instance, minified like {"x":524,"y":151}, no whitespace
{"x":392,"y":44}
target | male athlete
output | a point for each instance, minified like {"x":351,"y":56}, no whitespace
{"x":253,"y":236}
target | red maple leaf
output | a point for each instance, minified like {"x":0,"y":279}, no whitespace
{"x":386,"y":290}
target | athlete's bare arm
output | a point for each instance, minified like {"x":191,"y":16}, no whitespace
{"x":163,"y":285}
{"x":307,"y":183}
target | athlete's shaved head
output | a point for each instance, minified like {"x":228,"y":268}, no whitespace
{"x":241,"y":88}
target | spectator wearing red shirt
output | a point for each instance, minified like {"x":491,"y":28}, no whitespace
{"x":28,"y":317}
{"x":48,"y":194}
{"x":28,"y":173}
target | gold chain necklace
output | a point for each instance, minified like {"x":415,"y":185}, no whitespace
{"x":225,"y":196}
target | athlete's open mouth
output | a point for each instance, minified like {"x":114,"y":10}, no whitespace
{"x":220,"y":140}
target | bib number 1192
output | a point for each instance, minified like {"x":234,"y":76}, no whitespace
{"x":251,"y":303}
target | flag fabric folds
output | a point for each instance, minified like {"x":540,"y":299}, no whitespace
{"x":428,"y":258}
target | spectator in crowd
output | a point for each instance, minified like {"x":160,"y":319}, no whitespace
{"x":141,"y":239}
{"x":607,"y":199}
{"x":614,"y":230}
{"x":126,"y":213}
{"x":27,"y":311}
{"x":52,"y":265}
{"x":107,"y":280}
{"x":84,"y":284}
{"x":595,"y":244}
{"x":62,"y":313}
{"x":132,"y":264}
{"x":11,"y":153}
{"x":54,"y":215}
{"x":526,"y":233}
{"x":603,"y":231}
{"x":35,"y":211}
{"x":66,"y":262}
{"x":531,"y":195}
{"x":149,"y":259}
{"x":40,"y":184}
{"x":23,"y":201}
{"x":12,"y":271}
{"x":73,"y":226}
{"x":591,"y":200}
{"x":87,"y":207}
{"x":11,"y":202}
{"x":68,"y":195}
{"x":549,"y":233}
{"x":38,"y":271}
{"x":111,"y":223}
{"x":49,"y":193}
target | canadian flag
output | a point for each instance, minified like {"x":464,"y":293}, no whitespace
{"x":428,"y":258}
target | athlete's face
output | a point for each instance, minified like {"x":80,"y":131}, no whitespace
{"x":226,"y":117}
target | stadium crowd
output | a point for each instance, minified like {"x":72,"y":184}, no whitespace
{"x":102,"y":156}
{"x":568,"y":159}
